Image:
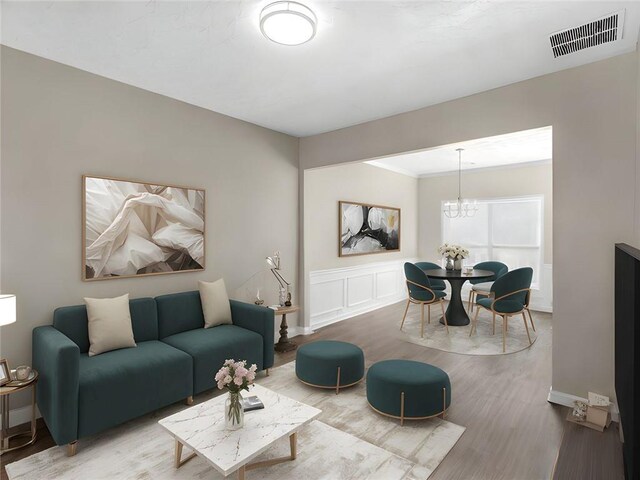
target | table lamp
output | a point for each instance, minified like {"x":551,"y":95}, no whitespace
{"x":274,"y":265}
{"x":7,"y":309}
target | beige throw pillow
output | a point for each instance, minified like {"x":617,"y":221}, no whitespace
{"x":109,"y":324}
{"x":215,"y":303}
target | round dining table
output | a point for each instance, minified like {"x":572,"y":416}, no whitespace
{"x":456,"y":314}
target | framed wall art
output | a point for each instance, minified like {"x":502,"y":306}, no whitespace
{"x":366,"y":229}
{"x":131,"y":228}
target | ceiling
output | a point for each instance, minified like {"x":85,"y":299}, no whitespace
{"x":513,"y":149}
{"x":368,"y":60}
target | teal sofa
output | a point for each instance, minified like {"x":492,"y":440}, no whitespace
{"x":175,"y":358}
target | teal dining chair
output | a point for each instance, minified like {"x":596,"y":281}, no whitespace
{"x":509,"y":296}
{"x":482,"y":286}
{"x":421,"y":293}
{"x":436,"y":283}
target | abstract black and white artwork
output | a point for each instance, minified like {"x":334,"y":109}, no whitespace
{"x":368,"y":229}
{"x":133,"y":228}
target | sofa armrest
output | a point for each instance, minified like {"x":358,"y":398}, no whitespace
{"x":57,"y":359}
{"x":258,"y":319}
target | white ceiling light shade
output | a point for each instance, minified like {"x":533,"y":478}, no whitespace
{"x":288,"y":23}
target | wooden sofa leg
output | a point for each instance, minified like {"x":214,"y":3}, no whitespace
{"x":72,"y":448}
{"x":189,"y":400}
{"x":267,"y":372}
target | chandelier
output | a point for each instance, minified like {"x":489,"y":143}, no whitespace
{"x":460,"y":208}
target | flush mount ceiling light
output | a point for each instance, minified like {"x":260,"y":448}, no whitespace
{"x":288,"y":23}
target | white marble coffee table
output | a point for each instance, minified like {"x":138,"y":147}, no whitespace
{"x":201,"y":428}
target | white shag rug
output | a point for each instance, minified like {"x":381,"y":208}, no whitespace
{"x":348,"y":441}
{"x":482,"y":342}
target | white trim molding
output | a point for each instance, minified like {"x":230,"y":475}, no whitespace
{"x":566,"y":399}
{"x":340,"y":293}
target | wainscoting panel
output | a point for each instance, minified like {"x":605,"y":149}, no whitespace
{"x":360,"y":290}
{"x":341,"y":293}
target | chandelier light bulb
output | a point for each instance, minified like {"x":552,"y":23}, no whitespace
{"x":288,"y":23}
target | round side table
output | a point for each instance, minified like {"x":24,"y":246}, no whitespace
{"x":284,"y":344}
{"x":28,"y":436}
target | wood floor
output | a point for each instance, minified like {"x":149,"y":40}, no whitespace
{"x":513,"y":433}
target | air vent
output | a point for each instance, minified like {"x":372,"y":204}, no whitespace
{"x":604,"y":30}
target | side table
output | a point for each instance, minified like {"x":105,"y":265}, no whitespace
{"x":30,"y":435}
{"x":284,"y":344}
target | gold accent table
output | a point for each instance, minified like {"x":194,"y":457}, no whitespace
{"x":284,"y":344}
{"x":15,"y":386}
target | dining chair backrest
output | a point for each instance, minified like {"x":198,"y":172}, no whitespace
{"x":435,"y":282}
{"x":498,"y":269}
{"x":416,"y":280}
{"x":518,"y":279}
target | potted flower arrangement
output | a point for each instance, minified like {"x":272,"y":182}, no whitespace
{"x":235,"y":377}
{"x":454,"y":254}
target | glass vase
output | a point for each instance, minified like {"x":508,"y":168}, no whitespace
{"x":448,"y":263}
{"x":233,"y":411}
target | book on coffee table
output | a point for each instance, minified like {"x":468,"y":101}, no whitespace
{"x":252,"y":403}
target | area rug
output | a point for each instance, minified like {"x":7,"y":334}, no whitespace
{"x":424,"y":442}
{"x":348,"y":441}
{"x":482,"y":342}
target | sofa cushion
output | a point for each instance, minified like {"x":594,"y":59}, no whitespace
{"x":72,"y":321}
{"x":212,"y":346}
{"x":179,"y":312}
{"x":109,"y":324}
{"x":215,"y":303}
{"x":123,"y":384}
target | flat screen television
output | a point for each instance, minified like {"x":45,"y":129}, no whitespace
{"x":627,"y":353}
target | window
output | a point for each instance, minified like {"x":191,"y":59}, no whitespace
{"x":508,"y":230}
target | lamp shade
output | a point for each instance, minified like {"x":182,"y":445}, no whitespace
{"x":7,"y":309}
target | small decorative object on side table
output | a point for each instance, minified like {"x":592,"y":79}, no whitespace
{"x":284,"y":344}
{"x":15,"y":386}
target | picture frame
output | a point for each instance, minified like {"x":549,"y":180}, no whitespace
{"x":367,"y":228}
{"x":133,"y":228}
{"x":5,"y":372}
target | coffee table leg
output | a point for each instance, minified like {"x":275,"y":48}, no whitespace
{"x":178,"y":459}
{"x":241,"y":471}
{"x":293,"y":445}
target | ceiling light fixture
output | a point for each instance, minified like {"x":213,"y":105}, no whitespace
{"x":288,"y":23}
{"x":460,"y":208}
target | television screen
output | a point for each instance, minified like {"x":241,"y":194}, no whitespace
{"x":627,"y":351}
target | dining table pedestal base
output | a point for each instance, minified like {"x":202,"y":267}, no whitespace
{"x":456,"y":314}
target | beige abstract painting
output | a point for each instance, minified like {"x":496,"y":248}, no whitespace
{"x":133,"y":228}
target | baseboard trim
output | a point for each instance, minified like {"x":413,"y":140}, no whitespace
{"x":296,"y":330}
{"x":18,"y":416}
{"x":541,"y":308}
{"x":567,"y":400}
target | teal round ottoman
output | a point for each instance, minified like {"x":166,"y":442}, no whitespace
{"x":408,"y":390}
{"x":330,"y":364}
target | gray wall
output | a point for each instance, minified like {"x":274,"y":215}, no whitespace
{"x":59,"y":123}
{"x":356,"y":182}
{"x":637,"y":212}
{"x":593,"y":112}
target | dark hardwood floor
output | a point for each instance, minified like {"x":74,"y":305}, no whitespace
{"x":513,"y":433}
